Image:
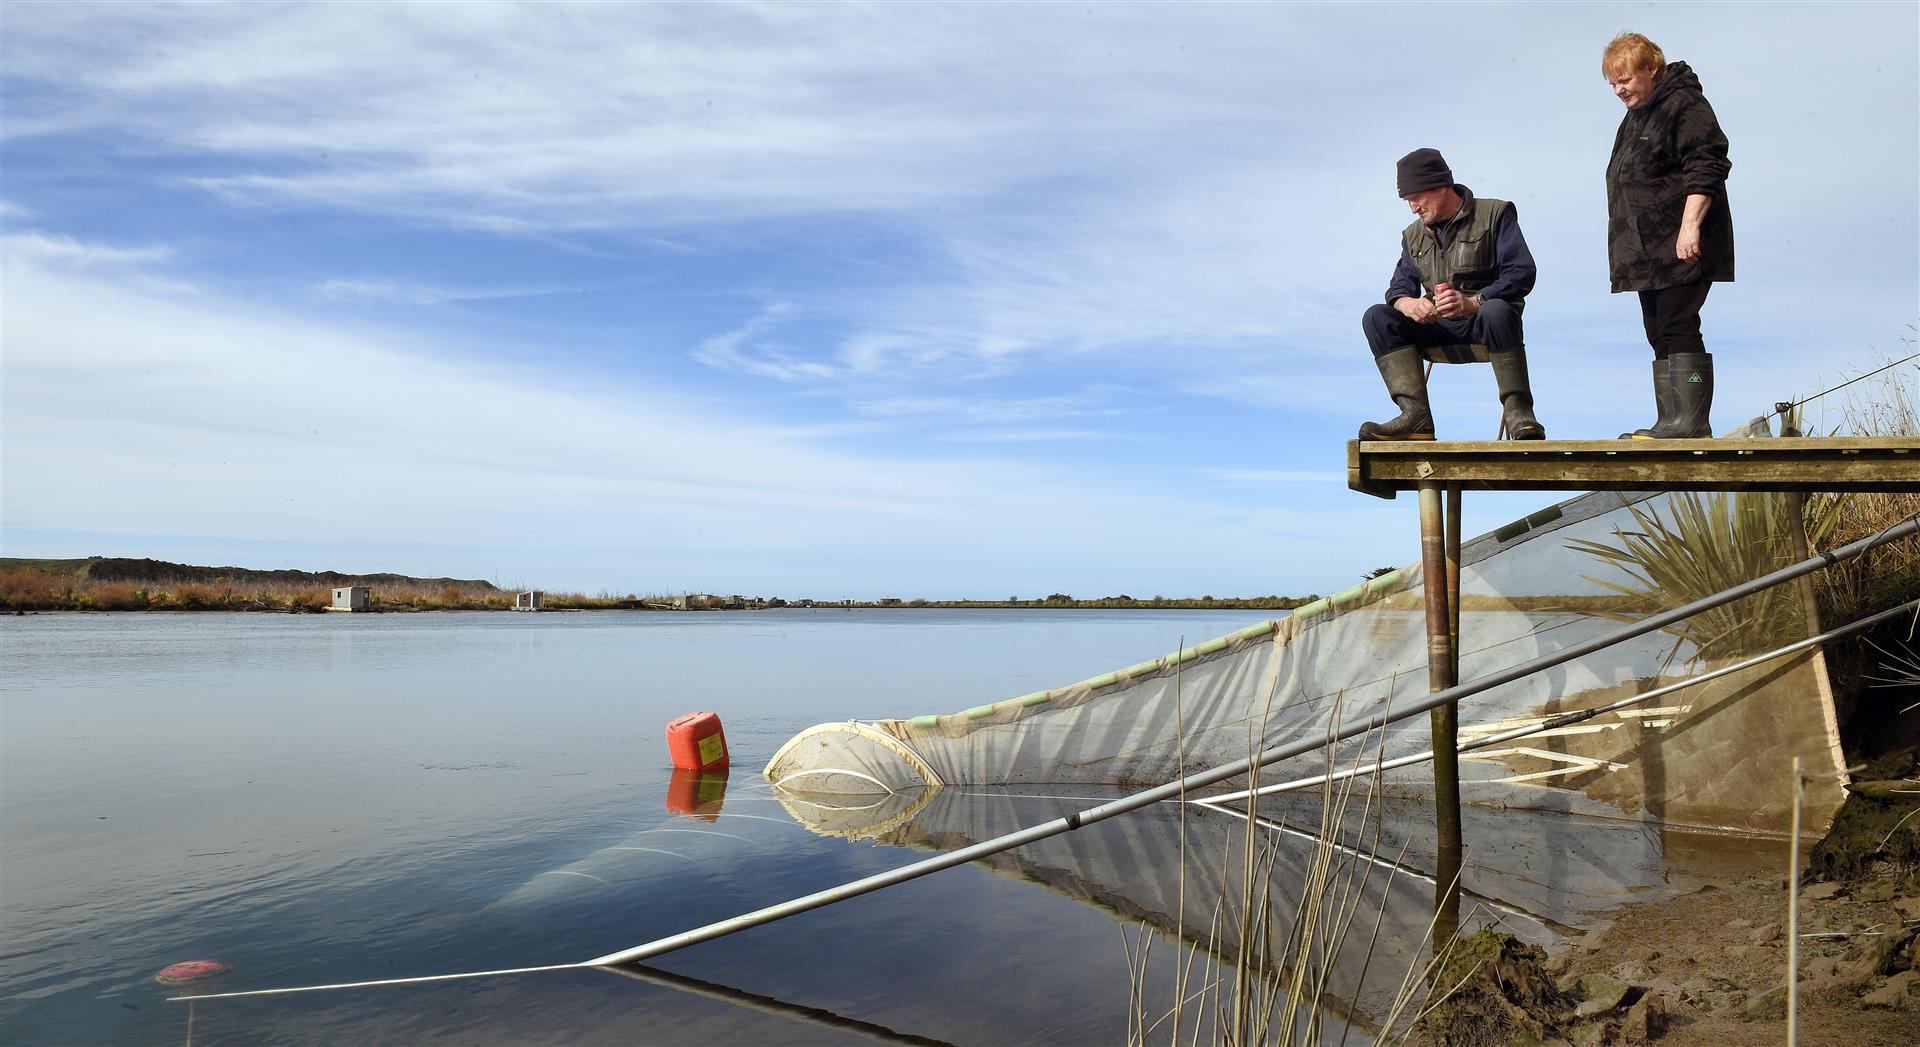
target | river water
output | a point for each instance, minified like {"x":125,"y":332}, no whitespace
{"x":324,"y":798}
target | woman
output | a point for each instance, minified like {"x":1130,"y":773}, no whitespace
{"x":1669,"y":233}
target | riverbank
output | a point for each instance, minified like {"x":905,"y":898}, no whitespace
{"x":98,"y":583}
{"x":1707,"y":967}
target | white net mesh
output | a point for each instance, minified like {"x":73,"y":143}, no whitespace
{"x":1715,"y":755}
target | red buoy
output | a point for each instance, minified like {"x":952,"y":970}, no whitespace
{"x":191,"y":971}
{"x":697,"y":743}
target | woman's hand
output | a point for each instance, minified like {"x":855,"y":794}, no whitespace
{"x":1687,"y":247}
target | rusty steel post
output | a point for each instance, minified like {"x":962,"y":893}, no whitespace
{"x":1453,"y":576}
{"x":1438,"y":576}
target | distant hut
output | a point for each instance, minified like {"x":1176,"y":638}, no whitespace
{"x":351,"y":598}
{"x":531,"y":600}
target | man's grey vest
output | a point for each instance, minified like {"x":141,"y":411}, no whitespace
{"x":1469,"y":261}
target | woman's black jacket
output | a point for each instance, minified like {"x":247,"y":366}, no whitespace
{"x":1667,"y":149}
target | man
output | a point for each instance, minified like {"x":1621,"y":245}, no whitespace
{"x":1463,"y":279}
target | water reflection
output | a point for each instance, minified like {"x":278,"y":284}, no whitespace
{"x":769,"y":1005}
{"x":1185,"y":869}
{"x":697,"y":794}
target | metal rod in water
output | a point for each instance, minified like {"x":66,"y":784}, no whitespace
{"x":1579,"y":716}
{"x":1158,"y":793}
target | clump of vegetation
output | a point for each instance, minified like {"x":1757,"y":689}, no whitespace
{"x":1492,"y":988}
{"x":1875,"y":828}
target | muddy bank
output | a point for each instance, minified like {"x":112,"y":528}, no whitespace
{"x":1715,"y":962}
{"x":1708,"y":967}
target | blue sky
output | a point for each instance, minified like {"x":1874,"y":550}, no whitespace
{"x":960,"y":300}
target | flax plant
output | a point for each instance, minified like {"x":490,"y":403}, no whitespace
{"x":1706,"y":544}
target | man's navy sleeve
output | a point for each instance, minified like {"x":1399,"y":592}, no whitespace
{"x":1406,"y":279}
{"x":1511,"y":255}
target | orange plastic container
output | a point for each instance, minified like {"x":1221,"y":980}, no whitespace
{"x":692,"y":794}
{"x":697,"y":743}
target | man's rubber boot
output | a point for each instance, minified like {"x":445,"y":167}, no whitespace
{"x":1404,"y":372}
{"x":1662,"y":403}
{"x":1690,"y":377}
{"x":1516,"y":396}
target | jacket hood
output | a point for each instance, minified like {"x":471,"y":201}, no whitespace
{"x":1678,"y":77}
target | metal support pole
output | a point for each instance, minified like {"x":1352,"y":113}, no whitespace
{"x":1438,"y":579}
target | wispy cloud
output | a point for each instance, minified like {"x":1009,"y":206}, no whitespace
{"x":60,"y":251}
{"x":408,"y":292}
{"x":1031,"y":436}
{"x":989,"y":411}
{"x":1274,"y":477}
{"x":753,"y":348}
{"x":144,"y":266}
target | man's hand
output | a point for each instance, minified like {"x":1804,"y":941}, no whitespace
{"x":1419,"y":310}
{"x":1453,"y":305}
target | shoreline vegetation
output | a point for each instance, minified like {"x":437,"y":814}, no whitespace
{"x":101,"y":583}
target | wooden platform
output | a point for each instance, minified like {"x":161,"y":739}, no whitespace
{"x":1890,"y":463}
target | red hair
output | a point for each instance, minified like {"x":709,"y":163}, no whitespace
{"x":1631,"y":51}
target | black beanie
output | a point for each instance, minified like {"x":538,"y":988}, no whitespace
{"x":1421,"y":170}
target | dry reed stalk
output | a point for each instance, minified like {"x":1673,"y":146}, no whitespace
{"x":1274,"y":991}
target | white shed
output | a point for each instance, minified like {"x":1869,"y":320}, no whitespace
{"x":350,"y":598}
{"x":531,"y":600}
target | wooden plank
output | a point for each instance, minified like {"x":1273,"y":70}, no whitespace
{"x":1801,"y":464}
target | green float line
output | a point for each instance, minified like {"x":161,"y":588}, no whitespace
{"x":1544,"y":516}
{"x":1142,"y":668}
{"x":979,"y":712}
{"x":1511,"y":531}
{"x":1308,"y":610}
{"x":1347,"y":596}
{"x":1102,"y":681}
{"x":928,"y":722}
{"x":1385,"y":582}
{"x":1036,"y":698}
{"x":1214,"y":646}
{"x":1254,"y":632}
